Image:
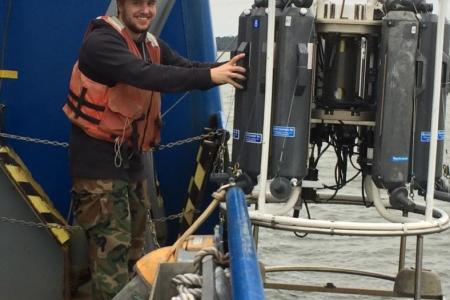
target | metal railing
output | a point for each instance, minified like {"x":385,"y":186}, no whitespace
{"x":246,"y":280}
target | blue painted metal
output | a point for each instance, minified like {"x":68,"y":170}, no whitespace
{"x":42,"y":45}
{"x":246,"y":281}
{"x":188,"y":30}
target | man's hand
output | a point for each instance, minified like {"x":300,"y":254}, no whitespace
{"x":229,"y":72}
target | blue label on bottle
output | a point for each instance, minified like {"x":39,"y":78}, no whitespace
{"x":253,"y":138}
{"x":400,"y":158}
{"x":256,"y":23}
{"x":425,"y":136}
{"x":283,"y":131}
{"x":236,"y":134}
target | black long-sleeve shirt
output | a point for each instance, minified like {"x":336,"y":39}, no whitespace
{"x":105,"y":58}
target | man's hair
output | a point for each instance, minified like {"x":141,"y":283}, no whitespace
{"x":117,"y":1}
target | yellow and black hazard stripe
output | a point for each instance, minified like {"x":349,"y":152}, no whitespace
{"x":206,"y":156}
{"x":33,"y":193}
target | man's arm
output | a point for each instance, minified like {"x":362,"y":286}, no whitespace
{"x":105,"y":58}
{"x":221,"y":73}
{"x":170,"y":57}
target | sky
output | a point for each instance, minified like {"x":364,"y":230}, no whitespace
{"x":225,"y":14}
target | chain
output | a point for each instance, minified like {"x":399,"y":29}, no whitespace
{"x":186,"y":141}
{"x":152,"y":228}
{"x":33,"y":140}
{"x":219,"y":163}
{"x":152,"y":222}
{"x":39,"y":225}
{"x":65,"y":145}
{"x":168,"y":218}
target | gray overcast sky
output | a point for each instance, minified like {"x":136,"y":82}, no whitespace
{"x":225,"y":14}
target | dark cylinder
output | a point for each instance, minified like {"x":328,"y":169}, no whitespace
{"x":247,"y":134}
{"x":241,"y":105}
{"x":340,"y":69}
{"x":249,"y":107}
{"x":292,"y":98}
{"x":393,"y":129}
{"x":424,"y":101}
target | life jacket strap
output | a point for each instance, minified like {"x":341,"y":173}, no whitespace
{"x":81,"y":100}
{"x":79,"y":113}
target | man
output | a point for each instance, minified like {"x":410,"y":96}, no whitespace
{"x":114,"y":106}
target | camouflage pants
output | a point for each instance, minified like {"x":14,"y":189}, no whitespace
{"x":113,"y":214}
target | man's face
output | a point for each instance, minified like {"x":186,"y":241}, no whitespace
{"x":137,"y":14}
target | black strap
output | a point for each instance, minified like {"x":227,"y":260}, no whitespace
{"x":81,"y":100}
{"x":135,"y":137}
{"x":126,"y":155}
{"x":81,"y":114}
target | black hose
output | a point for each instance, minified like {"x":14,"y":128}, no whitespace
{"x":399,"y":199}
{"x":420,"y":209}
{"x":442,"y":196}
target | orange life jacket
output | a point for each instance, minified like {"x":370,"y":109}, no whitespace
{"x":121,"y":113}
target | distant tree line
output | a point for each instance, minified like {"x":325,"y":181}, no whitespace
{"x":226,"y":43}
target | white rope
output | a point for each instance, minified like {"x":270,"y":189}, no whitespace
{"x":188,"y":286}
{"x":118,"y":160}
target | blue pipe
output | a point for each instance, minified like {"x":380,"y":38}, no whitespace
{"x":246,"y":281}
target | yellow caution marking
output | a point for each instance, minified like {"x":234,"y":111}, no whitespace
{"x":199,"y":175}
{"x":191,"y":182}
{"x":189,"y":211}
{"x":61,"y":235}
{"x":199,"y":153}
{"x":16,"y":173}
{"x":34,"y":193}
{"x":9,"y":74}
{"x":204,"y":162}
{"x":39,"y":204}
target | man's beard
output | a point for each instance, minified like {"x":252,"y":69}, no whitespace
{"x":131,"y":26}
{"x":137,"y":30}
